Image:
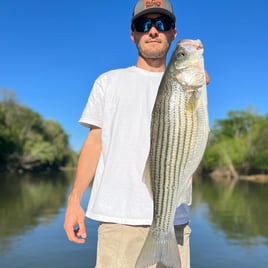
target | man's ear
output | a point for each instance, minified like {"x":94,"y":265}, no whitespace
{"x":132,"y":36}
{"x":174,"y":33}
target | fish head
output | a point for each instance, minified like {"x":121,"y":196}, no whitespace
{"x":187,"y":66}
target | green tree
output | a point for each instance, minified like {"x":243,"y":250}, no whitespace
{"x":27,"y":141}
{"x":237,"y":124}
{"x":258,"y":153}
{"x":238,"y":143}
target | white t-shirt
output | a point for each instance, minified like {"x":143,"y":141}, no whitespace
{"x":121,"y":103}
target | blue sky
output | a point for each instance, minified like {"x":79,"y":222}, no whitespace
{"x":51,"y":51}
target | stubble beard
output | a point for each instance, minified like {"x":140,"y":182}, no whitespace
{"x":153,"y":52}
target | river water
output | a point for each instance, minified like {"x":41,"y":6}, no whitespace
{"x":229,"y":224}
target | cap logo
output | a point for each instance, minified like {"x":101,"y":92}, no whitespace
{"x":153,"y":3}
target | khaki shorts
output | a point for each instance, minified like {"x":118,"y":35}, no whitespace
{"x":119,"y":245}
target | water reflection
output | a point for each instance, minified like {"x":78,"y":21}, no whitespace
{"x":237,"y":208}
{"x":26,"y":200}
{"x":229,"y":217}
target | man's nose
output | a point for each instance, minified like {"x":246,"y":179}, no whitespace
{"x":153,"y":31}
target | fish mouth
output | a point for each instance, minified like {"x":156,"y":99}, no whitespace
{"x":190,"y":44}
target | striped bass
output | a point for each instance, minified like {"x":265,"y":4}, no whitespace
{"x":179,"y":133}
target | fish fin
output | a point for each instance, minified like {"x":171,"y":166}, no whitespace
{"x":147,"y":177}
{"x":192,"y":102}
{"x":159,"y":248}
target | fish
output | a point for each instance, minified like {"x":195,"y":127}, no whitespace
{"x":178,"y":138}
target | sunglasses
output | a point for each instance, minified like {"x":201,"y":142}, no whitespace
{"x":143,"y":25}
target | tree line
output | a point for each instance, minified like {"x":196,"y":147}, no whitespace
{"x":239,"y":144}
{"x":28,"y":141}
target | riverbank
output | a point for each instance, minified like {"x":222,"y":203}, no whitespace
{"x":225,"y":174}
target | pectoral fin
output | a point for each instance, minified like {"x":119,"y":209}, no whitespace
{"x":147,"y":177}
{"x":192,"y":102}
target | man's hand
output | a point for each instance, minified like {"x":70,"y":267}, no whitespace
{"x":74,"y":223}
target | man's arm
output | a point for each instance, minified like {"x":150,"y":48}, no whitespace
{"x":86,"y":168}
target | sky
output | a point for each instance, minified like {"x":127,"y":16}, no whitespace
{"x":51,"y":52}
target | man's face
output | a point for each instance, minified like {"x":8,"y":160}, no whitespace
{"x":153,"y":44}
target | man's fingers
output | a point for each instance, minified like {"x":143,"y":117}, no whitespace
{"x":74,"y":235}
{"x":74,"y":224}
{"x":81,"y":231}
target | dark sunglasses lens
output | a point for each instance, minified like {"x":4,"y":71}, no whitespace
{"x":143,"y":25}
{"x":161,"y":24}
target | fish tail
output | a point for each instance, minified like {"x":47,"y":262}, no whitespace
{"x":159,"y":247}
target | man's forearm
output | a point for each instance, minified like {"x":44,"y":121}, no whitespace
{"x":87,"y":164}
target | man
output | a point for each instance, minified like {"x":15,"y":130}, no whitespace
{"x":118,"y":113}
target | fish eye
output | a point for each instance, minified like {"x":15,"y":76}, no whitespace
{"x":180,"y":54}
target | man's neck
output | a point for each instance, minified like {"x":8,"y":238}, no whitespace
{"x":152,"y":65}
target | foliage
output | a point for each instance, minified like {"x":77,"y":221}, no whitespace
{"x":239,"y":143}
{"x":27,"y":141}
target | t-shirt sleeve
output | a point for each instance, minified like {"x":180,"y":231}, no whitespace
{"x":93,"y":111}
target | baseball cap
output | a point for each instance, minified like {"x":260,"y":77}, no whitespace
{"x":144,"y":7}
